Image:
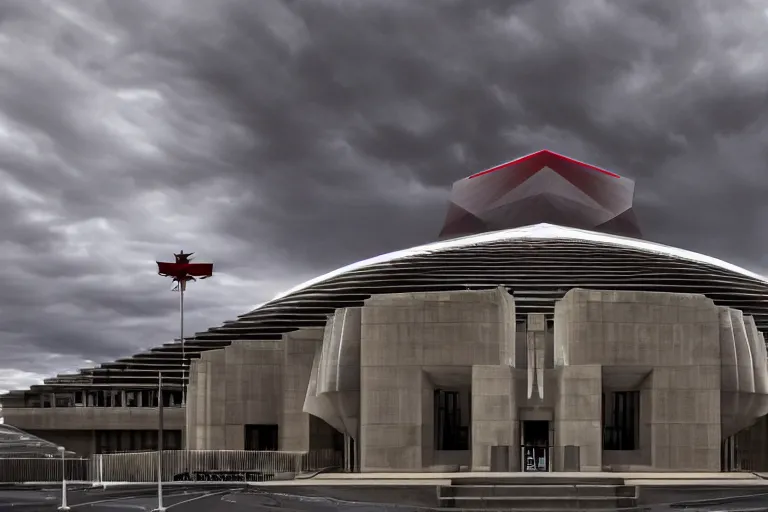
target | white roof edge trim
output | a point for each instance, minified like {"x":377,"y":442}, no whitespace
{"x":534,"y":232}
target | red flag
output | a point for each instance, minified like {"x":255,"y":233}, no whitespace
{"x":182,"y":270}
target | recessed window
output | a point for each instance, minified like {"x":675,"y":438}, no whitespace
{"x":621,"y":420}
{"x":450,"y":434}
{"x":263,"y":438}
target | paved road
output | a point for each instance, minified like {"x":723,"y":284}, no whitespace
{"x":181,"y":500}
{"x":236,"y":498}
{"x":190,"y":499}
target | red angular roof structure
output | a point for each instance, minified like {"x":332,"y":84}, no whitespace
{"x":543,"y":187}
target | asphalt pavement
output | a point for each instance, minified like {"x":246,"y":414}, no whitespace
{"x":234,"y":498}
{"x":237,"y":498}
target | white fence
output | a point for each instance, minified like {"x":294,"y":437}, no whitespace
{"x":43,"y":469}
{"x":178,"y":465}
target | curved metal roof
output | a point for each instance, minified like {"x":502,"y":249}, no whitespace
{"x":536,"y":232}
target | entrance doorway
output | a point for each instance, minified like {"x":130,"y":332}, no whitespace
{"x":535,"y":449}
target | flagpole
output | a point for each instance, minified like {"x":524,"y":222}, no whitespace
{"x":160,"y":429}
{"x":182,"y":285}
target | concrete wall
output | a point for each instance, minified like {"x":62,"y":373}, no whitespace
{"x":410,"y":345}
{"x":299,"y":352}
{"x":256,"y":383}
{"x":494,"y":414}
{"x":578,"y":414}
{"x":233,"y":387}
{"x":93,"y":418}
{"x":671,"y":339}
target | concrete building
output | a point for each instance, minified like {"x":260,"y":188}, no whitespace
{"x":553,"y":347}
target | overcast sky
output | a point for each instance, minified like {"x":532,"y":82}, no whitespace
{"x":282,"y":139}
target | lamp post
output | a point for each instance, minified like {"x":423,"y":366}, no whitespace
{"x":160,"y":507}
{"x":63,"y":506}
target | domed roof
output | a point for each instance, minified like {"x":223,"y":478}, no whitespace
{"x":535,"y":232}
{"x":538,"y":264}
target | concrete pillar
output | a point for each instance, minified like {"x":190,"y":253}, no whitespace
{"x":299,"y":352}
{"x":494,"y":414}
{"x":536,"y":348}
{"x":578,"y":413}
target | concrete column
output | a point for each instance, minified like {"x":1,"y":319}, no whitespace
{"x":299,"y":352}
{"x":578,"y":412}
{"x":391,"y":419}
{"x":536,"y":348}
{"x":494,"y":414}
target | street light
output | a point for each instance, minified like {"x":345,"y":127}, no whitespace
{"x":63,"y":506}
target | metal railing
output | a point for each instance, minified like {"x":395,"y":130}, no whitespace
{"x":207,"y":464}
{"x":178,"y":465}
{"x":43,"y":469}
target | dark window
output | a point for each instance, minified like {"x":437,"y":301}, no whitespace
{"x":111,"y":441}
{"x":64,"y":400}
{"x":621,"y":420}
{"x":172,"y":440}
{"x":449,"y":433}
{"x":149,"y":440}
{"x":134,"y":440}
{"x":102,"y":441}
{"x":261,"y":438}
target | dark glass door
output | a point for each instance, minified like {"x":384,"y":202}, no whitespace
{"x":535,"y":449}
{"x":450,"y":435}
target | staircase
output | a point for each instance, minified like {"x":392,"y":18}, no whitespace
{"x":538,"y":493}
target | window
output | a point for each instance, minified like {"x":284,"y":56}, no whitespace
{"x":621,"y":420}
{"x":149,"y":440}
{"x":111,"y":441}
{"x":449,"y":432}
{"x":63,"y":399}
{"x":261,"y":438}
{"x":172,"y":440}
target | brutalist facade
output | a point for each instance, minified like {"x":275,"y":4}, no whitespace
{"x":432,"y":381}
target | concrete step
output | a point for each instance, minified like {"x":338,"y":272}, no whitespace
{"x":538,"y":503}
{"x":533,"y":479}
{"x":543,"y":490}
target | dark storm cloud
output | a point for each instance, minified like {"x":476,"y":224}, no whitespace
{"x":284,"y":138}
